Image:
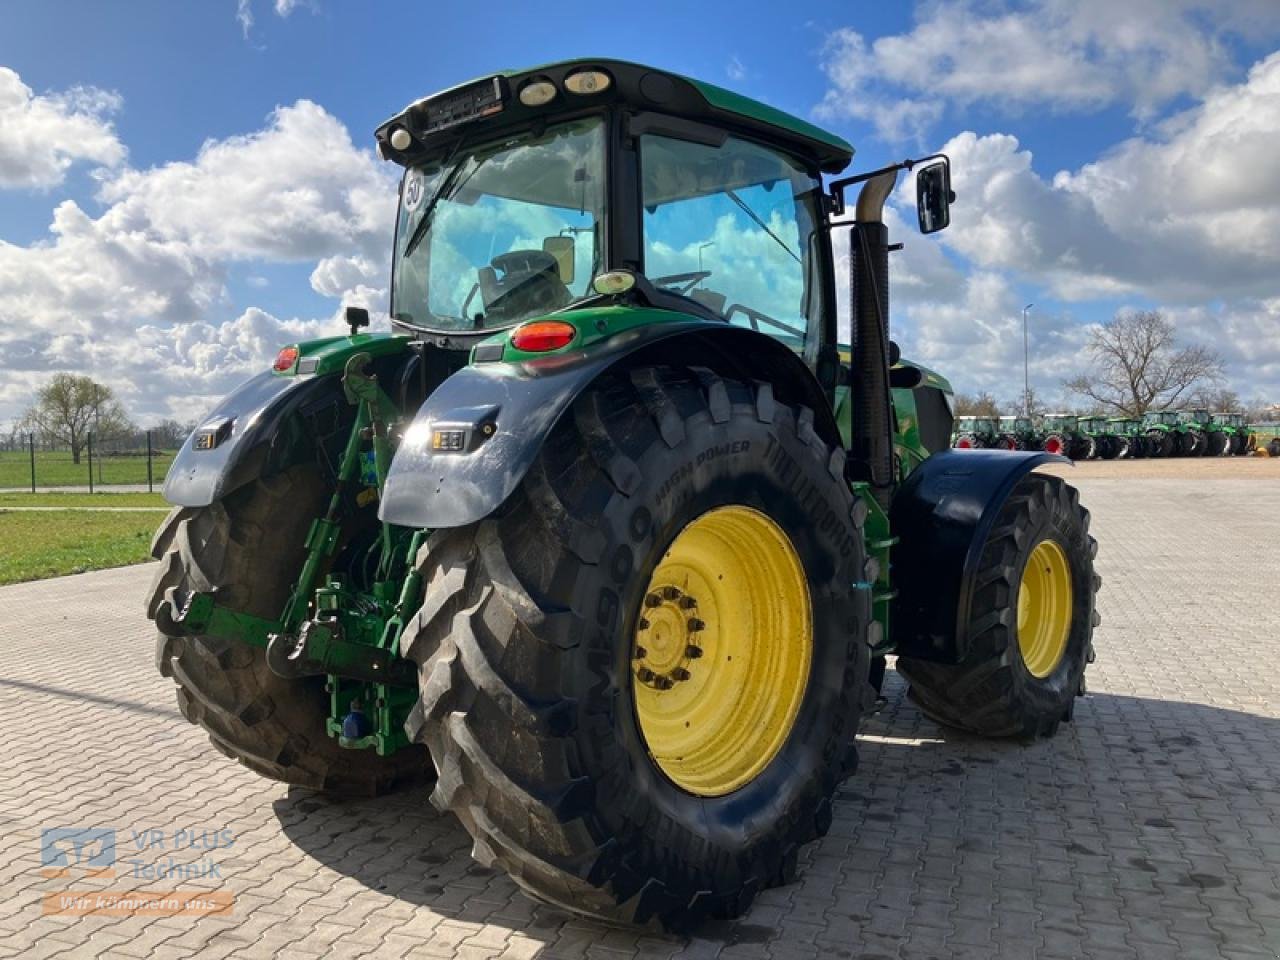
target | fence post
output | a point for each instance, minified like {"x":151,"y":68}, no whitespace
{"x":31,"y":441}
{"x":150,"y":486}
{"x":89,"y":446}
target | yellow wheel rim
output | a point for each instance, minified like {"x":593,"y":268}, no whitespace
{"x":1044,"y":608}
{"x":721,"y":653}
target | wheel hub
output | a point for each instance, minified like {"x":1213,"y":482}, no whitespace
{"x":1045,"y":601}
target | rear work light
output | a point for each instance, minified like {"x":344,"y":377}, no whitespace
{"x":285,"y":359}
{"x":543,"y":335}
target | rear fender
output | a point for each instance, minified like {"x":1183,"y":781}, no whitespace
{"x":942,"y":515}
{"x":498,"y":415}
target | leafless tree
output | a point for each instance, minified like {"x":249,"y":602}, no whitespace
{"x":69,"y":407}
{"x":976,"y":405}
{"x":1217,"y":400}
{"x":1138,"y":366}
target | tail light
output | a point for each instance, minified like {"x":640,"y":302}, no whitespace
{"x":285,"y":359}
{"x":543,"y":335}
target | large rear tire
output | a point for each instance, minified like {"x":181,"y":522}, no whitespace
{"x":248,"y":549}
{"x":538,"y":702}
{"x":1217,"y":444}
{"x":1031,"y":621}
{"x":1161,"y":443}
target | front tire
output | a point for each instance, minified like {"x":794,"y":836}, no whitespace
{"x":1030,"y":625}
{"x":534,"y":689}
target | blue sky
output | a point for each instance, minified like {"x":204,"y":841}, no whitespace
{"x":175,"y":144}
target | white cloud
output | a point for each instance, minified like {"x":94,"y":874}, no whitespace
{"x":41,"y":136}
{"x":1064,"y":55}
{"x":244,"y":16}
{"x":735,"y":70}
{"x":136,"y":295}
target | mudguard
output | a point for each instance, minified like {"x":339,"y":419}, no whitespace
{"x":476,"y":436}
{"x":942,"y":515}
{"x":238,"y":427}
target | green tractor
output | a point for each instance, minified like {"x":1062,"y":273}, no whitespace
{"x":1017,"y":433}
{"x":975,"y":433}
{"x":1163,"y":430}
{"x":1129,"y":434}
{"x":1238,"y":435}
{"x":608,"y":537}
{"x":1062,"y":435}
{"x":1106,"y":444}
{"x":1205,"y":438}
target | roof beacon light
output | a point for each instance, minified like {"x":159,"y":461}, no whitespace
{"x":401,"y":139}
{"x":536,"y":93}
{"x":586,"y":82}
{"x":613,"y":283}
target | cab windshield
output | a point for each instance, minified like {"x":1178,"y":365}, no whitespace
{"x":493,"y":235}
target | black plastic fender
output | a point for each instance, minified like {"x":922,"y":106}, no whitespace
{"x":496,"y":416}
{"x":245,"y":419}
{"x":943,"y":514}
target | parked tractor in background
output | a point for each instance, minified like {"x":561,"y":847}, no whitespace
{"x":976,"y":433}
{"x":1061,"y":432}
{"x":1191,"y":433}
{"x":605,"y":537}
{"x":1238,"y":435}
{"x":1017,"y":433}
{"x":1162,"y":432}
{"x":1132,"y":440}
{"x":1212,"y":439}
{"x":1106,"y":445}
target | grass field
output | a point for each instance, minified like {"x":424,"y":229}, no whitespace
{"x":53,"y":544}
{"x":55,"y":469}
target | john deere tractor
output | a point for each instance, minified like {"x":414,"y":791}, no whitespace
{"x":1231,"y":425}
{"x":1106,"y":444}
{"x":606,"y":536}
{"x":1129,"y":437}
{"x":1062,"y":435}
{"x":975,"y":433}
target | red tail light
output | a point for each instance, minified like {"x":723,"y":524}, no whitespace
{"x":963,"y":444}
{"x":543,"y":335}
{"x":285,"y":359}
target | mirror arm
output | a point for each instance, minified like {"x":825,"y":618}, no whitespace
{"x":838,"y":187}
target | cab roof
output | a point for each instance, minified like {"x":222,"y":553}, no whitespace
{"x":494,"y":101}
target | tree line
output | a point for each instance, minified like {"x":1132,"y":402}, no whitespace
{"x":1136,"y":365}
{"x":69,"y":408}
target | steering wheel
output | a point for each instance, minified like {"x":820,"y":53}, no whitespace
{"x":689,"y":280}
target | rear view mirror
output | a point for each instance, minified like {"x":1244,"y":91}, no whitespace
{"x":934,"y":196}
{"x":562,"y":249}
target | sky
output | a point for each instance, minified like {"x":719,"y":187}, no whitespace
{"x":185,"y":187}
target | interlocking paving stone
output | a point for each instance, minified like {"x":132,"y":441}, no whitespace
{"x":1149,"y":827}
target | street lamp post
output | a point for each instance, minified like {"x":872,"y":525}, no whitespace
{"x":701,"y":247}
{"x":1026,"y":364}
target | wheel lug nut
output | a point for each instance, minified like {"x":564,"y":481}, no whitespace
{"x":687,"y":603}
{"x":670,"y":593}
{"x":653,"y":600}
{"x":692,"y":652}
{"x":663,"y":683}
{"x":695,"y":625}
{"x":679,"y":673}
{"x":641,"y":653}
{"x":644,"y":674}
{"x":643,"y":624}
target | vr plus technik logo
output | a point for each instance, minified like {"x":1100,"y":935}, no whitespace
{"x":88,"y":849}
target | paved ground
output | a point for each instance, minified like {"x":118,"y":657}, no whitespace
{"x":1148,"y":828}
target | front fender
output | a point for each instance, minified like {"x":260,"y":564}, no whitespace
{"x":942,"y":515}
{"x":502,"y":413}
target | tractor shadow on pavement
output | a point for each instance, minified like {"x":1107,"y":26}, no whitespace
{"x":1166,"y":808}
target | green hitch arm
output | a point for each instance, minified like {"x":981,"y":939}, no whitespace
{"x":410,"y":594}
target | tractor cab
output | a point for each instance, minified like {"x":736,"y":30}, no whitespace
{"x":1229,"y":419}
{"x":1199,"y":417}
{"x":1161,"y":418}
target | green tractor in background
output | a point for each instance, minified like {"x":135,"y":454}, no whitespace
{"x":608,"y":536}
{"x":1163,"y":429}
{"x":1129,"y":432}
{"x":975,"y":433}
{"x":1238,"y":435}
{"x":1106,"y":444}
{"x":1017,"y":433}
{"x":1062,"y":436}
{"x":1211,"y":439}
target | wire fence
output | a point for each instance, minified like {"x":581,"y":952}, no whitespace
{"x":32,"y":465}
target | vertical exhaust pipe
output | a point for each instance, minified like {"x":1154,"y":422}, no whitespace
{"x":871,"y":437}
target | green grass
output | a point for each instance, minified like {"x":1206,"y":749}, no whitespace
{"x":56,"y":469}
{"x":60,"y":499}
{"x":49,"y":544}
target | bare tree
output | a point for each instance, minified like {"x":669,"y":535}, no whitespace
{"x":70,"y":407}
{"x":1138,"y":366}
{"x":979,"y":405}
{"x":1217,"y":400}
{"x":1018,"y":404}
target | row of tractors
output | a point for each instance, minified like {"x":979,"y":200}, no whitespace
{"x":1164,"y":433}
